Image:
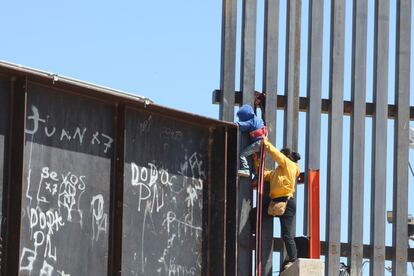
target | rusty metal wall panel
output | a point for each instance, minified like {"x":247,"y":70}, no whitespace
{"x":230,"y":163}
{"x":217,"y":189}
{"x":402,"y":101}
{"x":4,"y":132}
{"x":335,"y":125}
{"x":166,"y":172}
{"x":5,"y":94}
{"x":117,"y":193}
{"x":66,"y":190}
{"x":68,"y":183}
{"x":379,"y":138}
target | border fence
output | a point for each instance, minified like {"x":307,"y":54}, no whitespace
{"x":388,"y":105}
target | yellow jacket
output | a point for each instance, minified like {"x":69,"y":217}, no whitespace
{"x":283,"y":178}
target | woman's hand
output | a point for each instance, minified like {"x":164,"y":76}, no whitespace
{"x":265,"y":140}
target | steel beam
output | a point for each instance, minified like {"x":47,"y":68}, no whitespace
{"x":248,"y":51}
{"x":270,"y":62}
{"x":292,"y":71}
{"x":335,"y":132}
{"x":402,"y":100}
{"x":292,"y":74}
{"x":314,"y":87}
{"x":228,"y":59}
{"x":357,"y":147}
{"x":344,"y":248}
{"x":14,"y":196}
{"x":379,"y":137}
{"x":326,"y":105}
{"x":247,"y":79}
{"x":270,"y":58}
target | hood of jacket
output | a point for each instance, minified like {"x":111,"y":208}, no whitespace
{"x":245,"y":113}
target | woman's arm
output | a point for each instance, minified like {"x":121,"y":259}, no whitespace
{"x":266,"y":175}
{"x":276,"y":155}
{"x":266,"y":172}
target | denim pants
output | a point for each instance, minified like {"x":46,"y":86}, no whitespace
{"x":246,"y":152}
{"x":286,"y":221}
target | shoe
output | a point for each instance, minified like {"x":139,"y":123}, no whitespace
{"x":243,"y":173}
{"x":288,"y":264}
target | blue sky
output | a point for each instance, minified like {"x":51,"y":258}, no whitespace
{"x":169,"y":51}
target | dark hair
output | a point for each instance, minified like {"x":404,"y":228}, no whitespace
{"x":285,"y":151}
{"x":292,"y":155}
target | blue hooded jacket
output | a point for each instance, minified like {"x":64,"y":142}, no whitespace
{"x":248,"y":121}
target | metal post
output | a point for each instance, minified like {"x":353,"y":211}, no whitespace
{"x":14,"y":197}
{"x":335,"y":130}
{"x":117,"y":194}
{"x":379,"y":138}
{"x":402,"y":100}
{"x":356,"y":185}
{"x":292,"y":74}
{"x":290,"y":133}
{"x":231,"y":201}
{"x":6,"y":125}
{"x":247,"y":83}
{"x":228,"y":59}
{"x":270,"y":60}
{"x":314,"y":208}
{"x":313,"y":123}
{"x":248,"y":50}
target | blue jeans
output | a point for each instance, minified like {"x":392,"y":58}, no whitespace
{"x":246,"y":152}
{"x":286,"y":221}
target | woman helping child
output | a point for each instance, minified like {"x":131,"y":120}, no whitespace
{"x":282,"y":181}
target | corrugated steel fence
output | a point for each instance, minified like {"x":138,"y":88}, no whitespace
{"x":97,"y":182}
{"x":358,"y":108}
